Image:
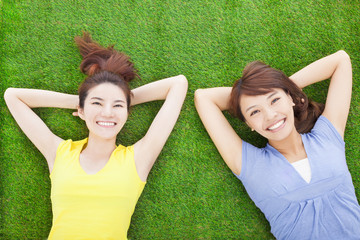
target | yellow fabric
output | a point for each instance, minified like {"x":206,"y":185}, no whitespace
{"x":97,"y":206}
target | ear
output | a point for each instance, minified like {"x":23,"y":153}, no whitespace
{"x":80,"y":112}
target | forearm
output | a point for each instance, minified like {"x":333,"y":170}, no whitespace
{"x":159,"y":90}
{"x":209,"y":104}
{"x":320,"y":70}
{"x":35,"y":98}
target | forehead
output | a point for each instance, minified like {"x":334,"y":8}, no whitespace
{"x":249,"y":100}
{"x":107,"y":91}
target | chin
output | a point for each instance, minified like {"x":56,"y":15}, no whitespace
{"x":281,"y":137}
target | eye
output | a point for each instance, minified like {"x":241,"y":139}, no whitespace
{"x":96,"y":103}
{"x":118,"y":105}
{"x":275,"y":100}
{"x":254,"y":112}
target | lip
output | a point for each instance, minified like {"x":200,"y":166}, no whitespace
{"x":106,"y":124}
{"x":278,"y":128}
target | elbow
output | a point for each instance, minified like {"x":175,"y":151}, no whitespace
{"x":181,"y":83}
{"x":343,"y":55}
{"x":198,"y":95}
{"x":182,"y":80}
{"x":8,"y":94}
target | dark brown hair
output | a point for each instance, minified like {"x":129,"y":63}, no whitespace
{"x":259,"y":78}
{"x":103,"y":65}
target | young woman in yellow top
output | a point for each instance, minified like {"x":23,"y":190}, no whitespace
{"x":96,"y":184}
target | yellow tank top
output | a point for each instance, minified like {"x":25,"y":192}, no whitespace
{"x":97,"y":206}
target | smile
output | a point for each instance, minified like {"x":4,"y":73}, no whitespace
{"x":106,"y":124}
{"x":276,"y":125}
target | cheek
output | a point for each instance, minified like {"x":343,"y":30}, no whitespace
{"x":290,"y":102}
{"x":123,"y":114}
{"x":88,"y":110}
{"x":254,"y":122}
{"x":289,"y":107}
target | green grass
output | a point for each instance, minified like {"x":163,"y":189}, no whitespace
{"x":190,"y":194}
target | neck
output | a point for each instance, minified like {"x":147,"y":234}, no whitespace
{"x":292,"y":147}
{"x":99,"y":148}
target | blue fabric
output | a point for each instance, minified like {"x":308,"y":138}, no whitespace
{"x":325,"y":208}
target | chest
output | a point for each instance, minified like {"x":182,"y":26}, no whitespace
{"x":114,"y":179}
{"x":274,"y":176}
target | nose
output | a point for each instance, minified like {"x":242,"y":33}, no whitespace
{"x":107,"y":111}
{"x":270,"y":113}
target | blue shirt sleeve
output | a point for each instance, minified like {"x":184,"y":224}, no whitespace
{"x":324,"y":129}
{"x":250,"y":158}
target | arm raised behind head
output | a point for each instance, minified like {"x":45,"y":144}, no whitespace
{"x":209,"y":104}
{"x":336,"y":66}
{"x":173,"y":91}
{"x":20,"y":101}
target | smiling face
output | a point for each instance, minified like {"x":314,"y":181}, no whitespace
{"x":271,"y":114}
{"x":105,"y":111}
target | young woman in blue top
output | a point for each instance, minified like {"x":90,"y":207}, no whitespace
{"x":300,"y":180}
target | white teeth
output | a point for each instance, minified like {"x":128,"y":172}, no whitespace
{"x":106,"y":123}
{"x":273,"y":127}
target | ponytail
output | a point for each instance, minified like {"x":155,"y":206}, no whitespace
{"x":103,"y":65}
{"x":306,"y":112}
{"x":97,"y":58}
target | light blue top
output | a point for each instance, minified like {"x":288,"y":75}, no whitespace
{"x":325,"y":208}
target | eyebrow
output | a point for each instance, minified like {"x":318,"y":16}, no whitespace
{"x":100,"y":99}
{"x":270,"y":96}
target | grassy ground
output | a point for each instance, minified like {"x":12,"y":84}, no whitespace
{"x":190,"y":194}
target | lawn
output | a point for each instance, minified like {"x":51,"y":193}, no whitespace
{"x":190,"y":194}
